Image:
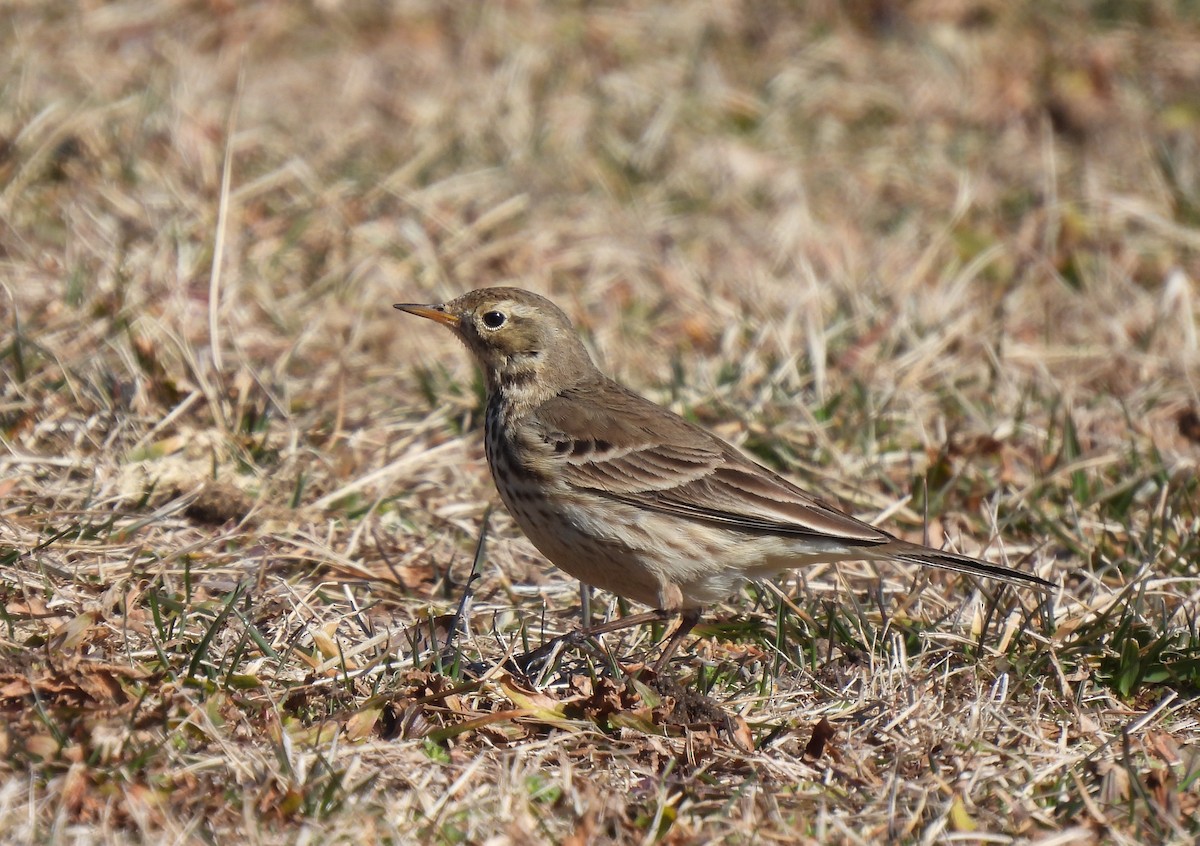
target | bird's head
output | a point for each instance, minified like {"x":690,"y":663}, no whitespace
{"x":523,"y":342}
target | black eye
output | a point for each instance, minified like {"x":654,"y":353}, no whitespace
{"x":494,"y":319}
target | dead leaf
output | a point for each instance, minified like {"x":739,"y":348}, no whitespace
{"x":75,"y":786}
{"x":537,"y":705}
{"x":42,"y":746}
{"x":72,"y":634}
{"x":596,"y":701}
{"x":324,"y":641}
{"x":14,"y":687}
{"x":740,"y":734}
{"x":960,"y":817}
{"x":823,"y":732}
{"x":31,"y":607}
{"x":476,"y":723}
{"x":640,"y":720}
{"x":1114,"y":783}
{"x":414,"y":577}
{"x":362,"y":723}
{"x":1164,"y":746}
{"x":102,"y":687}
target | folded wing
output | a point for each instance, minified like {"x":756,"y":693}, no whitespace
{"x":627,"y":449}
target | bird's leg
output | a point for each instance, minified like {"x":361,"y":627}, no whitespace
{"x":585,"y":604}
{"x":659,"y":615}
{"x":687,"y":621}
{"x":530,"y":660}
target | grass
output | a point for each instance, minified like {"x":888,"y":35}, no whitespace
{"x":935,"y":260}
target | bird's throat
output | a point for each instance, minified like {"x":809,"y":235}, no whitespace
{"x":519,"y":387}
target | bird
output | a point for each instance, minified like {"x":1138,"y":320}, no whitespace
{"x":628,"y":496}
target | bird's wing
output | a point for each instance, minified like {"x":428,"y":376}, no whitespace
{"x":610,"y":441}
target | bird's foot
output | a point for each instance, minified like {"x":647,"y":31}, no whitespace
{"x":537,"y":661}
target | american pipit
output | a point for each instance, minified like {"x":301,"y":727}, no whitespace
{"x":629,"y":497}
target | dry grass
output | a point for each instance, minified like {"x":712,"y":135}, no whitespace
{"x":943,"y":245}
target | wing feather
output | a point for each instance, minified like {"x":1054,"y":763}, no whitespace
{"x":626,"y":448}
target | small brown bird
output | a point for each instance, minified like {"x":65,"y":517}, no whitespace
{"x":630,"y":497}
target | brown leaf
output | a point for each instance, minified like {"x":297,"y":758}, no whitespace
{"x":740,"y":734}
{"x":14,"y":687}
{"x":362,"y":723}
{"x":597,"y":700}
{"x":42,"y":746}
{"x":503,"y":732}
{"x":536,"y":705}
{"x":75,"y":786}
{"x":414,"y":577}
{"x":1164,"y":746}
{"x":102,"y":686}
{"x":823,"y":732}
{"x":31,"y":606}
{"x":74,"y":633}
{"x":1114,"y":783}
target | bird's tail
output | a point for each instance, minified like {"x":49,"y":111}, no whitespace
{"x":916,"y":554}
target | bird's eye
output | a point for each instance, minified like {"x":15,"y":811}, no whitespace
{"x":494,"y":319}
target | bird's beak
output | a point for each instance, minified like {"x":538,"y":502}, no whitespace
{"x":433,"y":312}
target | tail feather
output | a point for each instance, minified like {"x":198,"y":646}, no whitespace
{"x":914,"y":554}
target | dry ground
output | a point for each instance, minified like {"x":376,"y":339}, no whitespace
{"x":943,"y":246}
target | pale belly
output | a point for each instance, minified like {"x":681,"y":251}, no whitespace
{"x":656,"y":559}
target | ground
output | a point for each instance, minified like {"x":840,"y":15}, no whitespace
{"x":937,"y":260}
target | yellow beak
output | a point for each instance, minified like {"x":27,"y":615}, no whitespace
{"x":433,"y":312}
